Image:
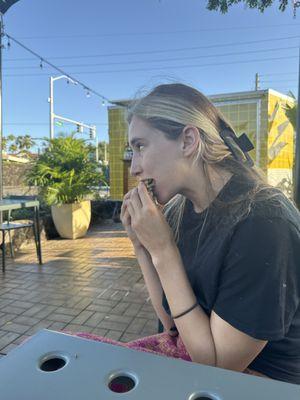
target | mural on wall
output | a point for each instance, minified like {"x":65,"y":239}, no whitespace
{"x":280,"y":145}
{"x":281,"y":136}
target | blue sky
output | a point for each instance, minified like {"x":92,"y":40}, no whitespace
{"x":173,"y":40}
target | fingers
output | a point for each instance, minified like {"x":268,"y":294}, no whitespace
{"x":144,"y":195}
{"x":135,"y":201}
{"x":126,"y":216}
{"x":132,"y":198}
{"x":130,"y":209}
{"x":126,"y":219}
{"x":127,"y":195}
{"x":123,"y":209}
{"x":126,"y":210}
{"x":124,"y":203}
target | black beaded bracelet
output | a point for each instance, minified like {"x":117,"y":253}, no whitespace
{"x":185,"y":312}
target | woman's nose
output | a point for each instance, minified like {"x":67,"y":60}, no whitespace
{"x":135,"y":168}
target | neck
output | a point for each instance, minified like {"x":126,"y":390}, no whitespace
{"x":202,"y":189}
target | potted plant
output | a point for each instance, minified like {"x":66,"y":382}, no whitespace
{"x":65,"y":175}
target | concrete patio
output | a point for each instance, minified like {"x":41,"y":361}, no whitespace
{"x":93,"y":284}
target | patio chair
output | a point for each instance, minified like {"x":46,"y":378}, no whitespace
{"x":10,"y":225}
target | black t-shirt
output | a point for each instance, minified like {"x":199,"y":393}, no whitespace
{"x":248,"y":272}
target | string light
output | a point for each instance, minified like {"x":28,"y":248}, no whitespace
{"x":44,"y":61}
{"x":296,"y":4}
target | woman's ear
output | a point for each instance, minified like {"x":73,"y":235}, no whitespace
{"x":190,"y":140}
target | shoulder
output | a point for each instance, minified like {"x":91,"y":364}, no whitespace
{"x":271,"y":208}
{"x":269,"y":225}
{"x":268,"y":236}
{"x":270,"y":202}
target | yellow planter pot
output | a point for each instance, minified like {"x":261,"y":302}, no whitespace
{"x":72,"y":220}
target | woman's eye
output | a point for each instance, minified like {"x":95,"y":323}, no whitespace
{"x":139,"y":146}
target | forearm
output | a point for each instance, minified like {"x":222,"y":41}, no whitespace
{"x":194,"y":327}
{"x":154,"y":287}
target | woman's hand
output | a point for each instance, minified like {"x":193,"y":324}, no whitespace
{"x":147,"y":221}
{"x":126,"y":221}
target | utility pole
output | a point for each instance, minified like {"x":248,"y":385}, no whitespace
{"x":53,"y":116}
{"x":51,"y":109}
{"x":257,"y":86}
{"x":97,"y":149}
{"x":51,"y":100}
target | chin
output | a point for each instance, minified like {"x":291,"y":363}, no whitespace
{"x":163,"y":200}
{"x":163,"y":197}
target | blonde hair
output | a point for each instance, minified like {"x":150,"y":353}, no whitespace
{"x":169,"y":108}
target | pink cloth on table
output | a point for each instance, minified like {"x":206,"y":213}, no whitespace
{"x":161,"y":344}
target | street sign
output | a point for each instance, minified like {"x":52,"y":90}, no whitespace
{"x":59,"y":123}
{"x":6,"y":4}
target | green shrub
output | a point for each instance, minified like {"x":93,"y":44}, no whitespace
{"x":64,"y":172}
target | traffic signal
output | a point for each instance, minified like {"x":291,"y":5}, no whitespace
{"x":79,"y":128}
{"x":92,"y":133}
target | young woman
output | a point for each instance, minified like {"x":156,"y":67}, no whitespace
{"x":219,"y":248}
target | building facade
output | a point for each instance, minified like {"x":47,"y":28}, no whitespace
{"x":260,"y":114}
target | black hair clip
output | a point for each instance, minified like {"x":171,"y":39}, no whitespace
{"x":239,"y":146}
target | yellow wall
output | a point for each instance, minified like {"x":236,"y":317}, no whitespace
{"x":117,"y":141}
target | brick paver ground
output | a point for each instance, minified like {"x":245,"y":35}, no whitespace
{"x":92,"y":284}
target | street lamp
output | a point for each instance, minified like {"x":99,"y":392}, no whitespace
{"x":79,"y":125}
{"x":51,"y":100}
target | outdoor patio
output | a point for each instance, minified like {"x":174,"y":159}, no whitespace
{"x":93,"y":284}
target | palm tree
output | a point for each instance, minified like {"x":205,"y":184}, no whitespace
{"x":24,"y":143}
{"x":6,"y":140}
